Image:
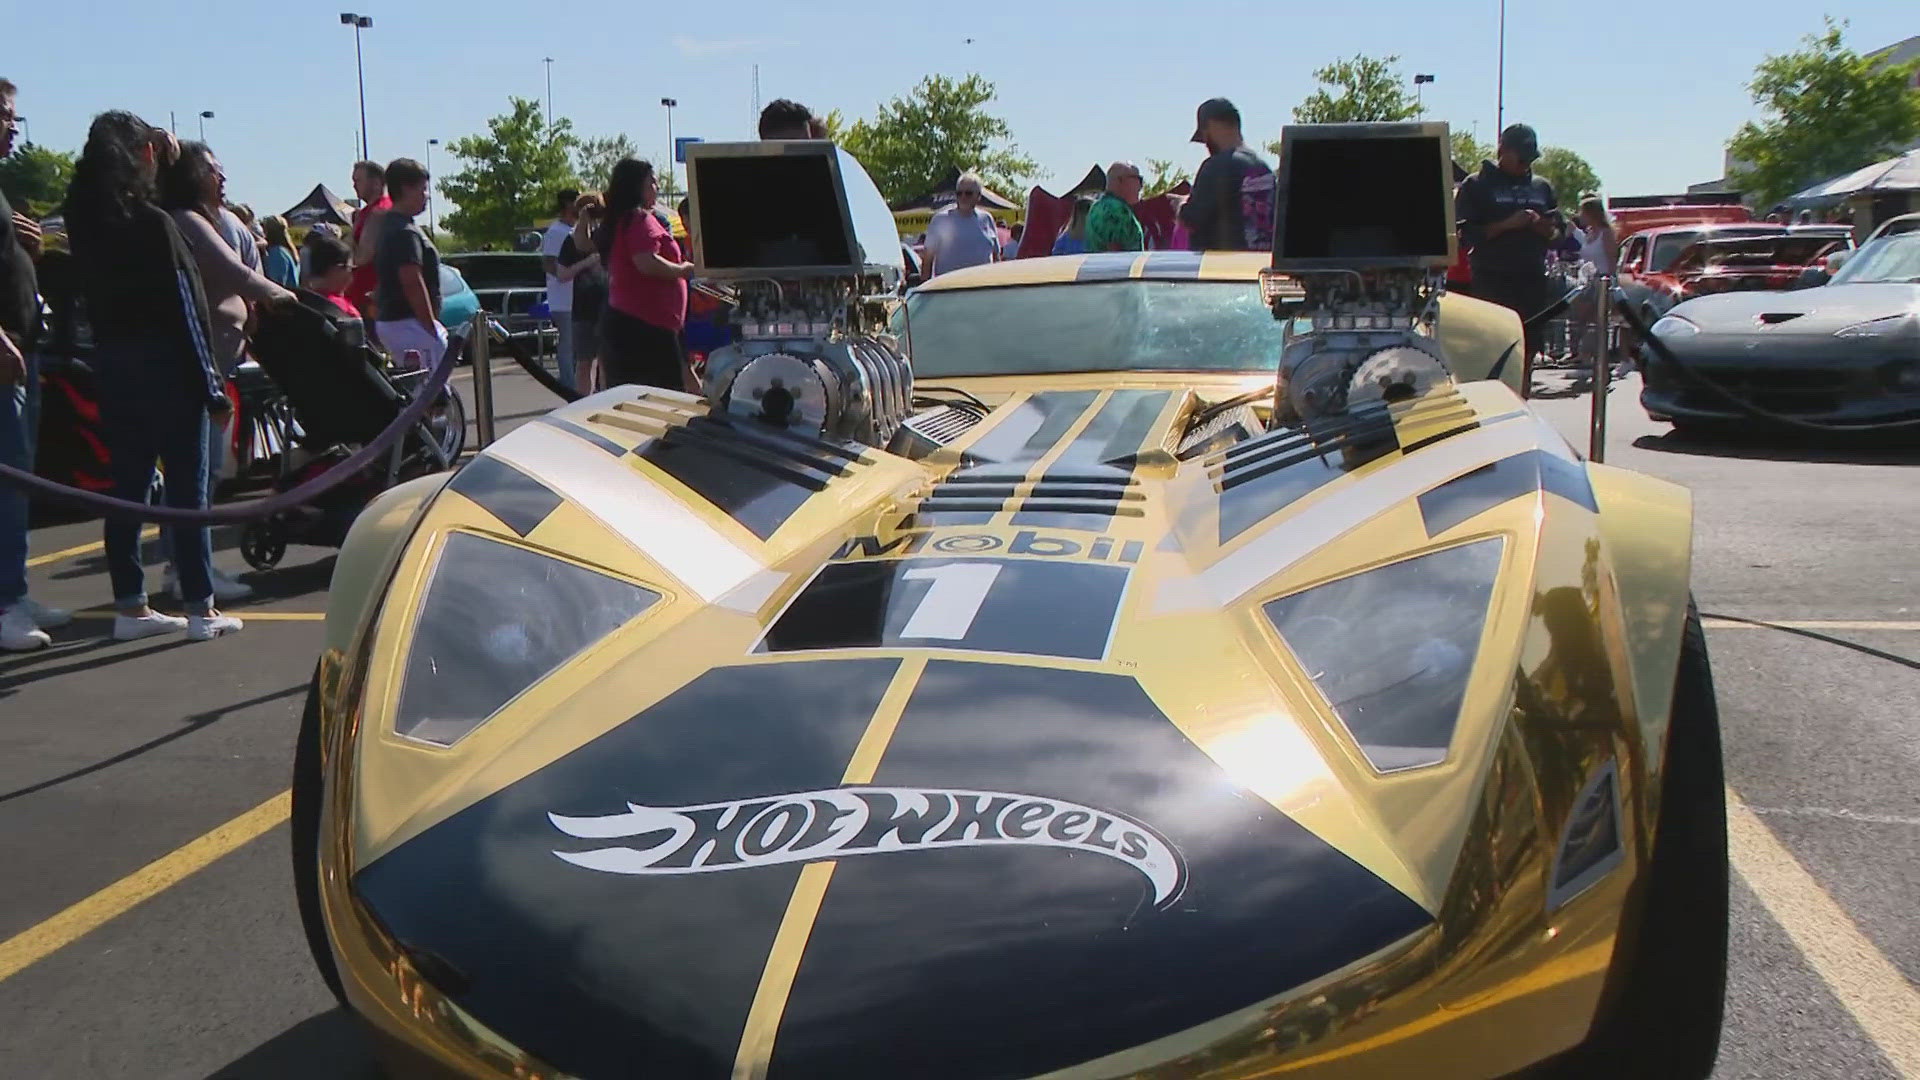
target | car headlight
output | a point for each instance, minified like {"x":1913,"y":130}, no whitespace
{"x":1674,"y":326}
{"x":1391,"y":648}
{"x":1882,"y":327}
{"x":498,"y":618}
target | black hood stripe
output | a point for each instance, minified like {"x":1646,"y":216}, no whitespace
{"x":586,"y":434}
{"x":1472,"y":494}
{"x":993,"y":466}
{"x":519,"y":501}
{"x":609,"y":975}
{"x":1172,"y":265}
{"x":1045,"y":960}
{"x":1092,"y":477}
{"x":1107,"y":266}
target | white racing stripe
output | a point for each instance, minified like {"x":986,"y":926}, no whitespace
{"x":1333,"y":513}
{"x":635,"y":507}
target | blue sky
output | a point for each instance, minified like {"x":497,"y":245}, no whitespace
{"x":1647,"y":91}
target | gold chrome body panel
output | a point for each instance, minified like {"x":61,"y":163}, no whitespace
{"x":1496,"y":962}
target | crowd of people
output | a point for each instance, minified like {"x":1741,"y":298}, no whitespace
{"x":1230,"y":207}
{"x":174,"y":276}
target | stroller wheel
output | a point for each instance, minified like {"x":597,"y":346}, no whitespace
{"x":448,"y":421}
{"x":262,"y":544}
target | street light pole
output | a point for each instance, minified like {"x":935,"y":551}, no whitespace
{"x":1419,"y":98}
{"x":549,"y":62}
{"x":1500,"y":91}
{"x":359,"y":23}
{"x":205,"y":115}
{"x":669,"y":103}
{"x":432,"y":223}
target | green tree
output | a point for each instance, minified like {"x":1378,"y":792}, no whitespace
{"x":1468,"y":150}
{"x":35,"y":178}
{"x":511,"y":176}
{"x":1163,"y":174}
{"x":1572,"y":178}
{"x":1360,"y":89}
{"x":942,"y":124}
{"x":595,"y":159}
{"x":1827,"y":110}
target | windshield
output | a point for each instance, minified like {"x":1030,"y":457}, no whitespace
{"x":1890,"y":258}
{"x":1110,"y":326}
{"x":1668,"y":246}
{"x":1764,"y":252}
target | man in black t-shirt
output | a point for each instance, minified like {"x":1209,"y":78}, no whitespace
{"x":1509,"y":218}
{"x":1231,"y":208}
{"x":407,"y":272}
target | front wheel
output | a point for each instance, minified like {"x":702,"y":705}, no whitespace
{"x":309,"y":793}
{"x":1671,"y":977}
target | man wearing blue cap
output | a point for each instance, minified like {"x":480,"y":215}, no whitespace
{"x":1509,"y":219}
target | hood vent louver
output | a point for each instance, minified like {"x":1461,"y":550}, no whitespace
{"x":812,"y":463}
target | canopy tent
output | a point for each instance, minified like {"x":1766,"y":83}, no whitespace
{"x":320,"y":206}
{"x":1901,"y":173}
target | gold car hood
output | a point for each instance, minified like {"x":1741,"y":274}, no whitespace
{"x":1041,"y":650}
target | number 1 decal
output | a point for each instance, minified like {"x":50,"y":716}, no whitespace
{"x":1036,"y":607}
{"x":952,"y":601}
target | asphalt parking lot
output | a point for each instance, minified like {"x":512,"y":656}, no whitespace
{"x":147,"y":924}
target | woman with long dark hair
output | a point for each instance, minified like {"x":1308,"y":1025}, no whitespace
{"x":159,"y":381}
{"x":641,"y":330}
{"x":193,"y":189}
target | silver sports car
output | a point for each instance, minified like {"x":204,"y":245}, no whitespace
{"x":1847,"y":351}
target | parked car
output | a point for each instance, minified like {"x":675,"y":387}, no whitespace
{"x":458,"y":302}
{"x":1847,"y":351}
{"x":1647,"y":257}
{"x":1745,"y":263}
{"x":510,"y":285}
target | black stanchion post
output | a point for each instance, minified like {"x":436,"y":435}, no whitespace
{"x":1602,"y":368}
{"x":482,"y":339}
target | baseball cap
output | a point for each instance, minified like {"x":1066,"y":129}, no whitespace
{"x":1212,"y":109}
{"x":1521,"y":139}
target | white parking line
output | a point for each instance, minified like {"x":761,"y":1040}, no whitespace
{"x":1867,"y":985}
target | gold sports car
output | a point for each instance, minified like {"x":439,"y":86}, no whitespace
{"x":1103,"y":726}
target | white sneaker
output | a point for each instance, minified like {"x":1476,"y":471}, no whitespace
{"x":211,"y":625}
{"x":18,"y":632}
{"x":225,"y":589}
{"x":44,"y":617}
{"x":135,"y":627}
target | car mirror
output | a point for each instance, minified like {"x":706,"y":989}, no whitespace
{"x":1812,"y":278}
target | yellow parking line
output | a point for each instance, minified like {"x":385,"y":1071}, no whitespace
{"x":1808,"y":624}
{"x":33,"y":945}
{"x":147,"y":533}
{"x":1868,"y":986}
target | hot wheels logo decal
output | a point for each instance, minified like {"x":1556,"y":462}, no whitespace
{"x":840,"y":823}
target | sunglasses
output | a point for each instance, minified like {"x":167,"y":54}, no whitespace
{"x":965,"y":191}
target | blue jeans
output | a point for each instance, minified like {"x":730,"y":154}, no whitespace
{"x":563,"y":347}
{"x":19,"y":423}
{"x":150,"y":414}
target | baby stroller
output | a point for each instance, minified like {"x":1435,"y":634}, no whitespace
{"x":338,"y":395}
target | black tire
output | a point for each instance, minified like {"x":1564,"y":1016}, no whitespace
{"x":449,"y":420}
{"x":309,"y":790}
{"x":1669,"y":999}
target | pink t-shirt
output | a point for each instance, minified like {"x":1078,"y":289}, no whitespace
{"x":657,"y":301}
